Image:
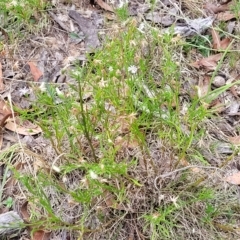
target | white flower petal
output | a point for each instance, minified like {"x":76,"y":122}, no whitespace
{"x":93,"y":175}
{"x":42,"y":87}
{"x":132,"y":69}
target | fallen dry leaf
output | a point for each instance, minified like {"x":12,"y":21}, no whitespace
{"x":217,"y":106}
{"x":41,"y":235}
{"x":216,"y":39}
{"x":208,"y":63}
{"x":26,"y":128}
{"x":4,"y":108}
{"x":203,"y":86}
{"x":225,"y":43}
{"x":233,"y":179}
{"x":226,"y":16}
{"x":104,"y":5}
{"x":1,"y":79}
{"x":234,"y":140}
{"x":36,"y":73}
{"x":219,"y":44}
{"x":24,"y":212}
{"x":213,"y":8}
{"x":5,"y":113}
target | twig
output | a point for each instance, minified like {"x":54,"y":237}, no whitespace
{"x":181,"y":169}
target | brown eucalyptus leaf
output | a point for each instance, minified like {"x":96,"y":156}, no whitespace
{"x":208,"y":63}
{"x":41,"y":235}
{"x":234,"y":140}
{"x":216,"y":39}
{"x":225,"y":43}
{"x":26,"y":128}
{"x":226,"y":16}
{"x":233,"y":179}
{"x":213,"y":8}
{"x":104,"y":5}
{"x":35,"y":71}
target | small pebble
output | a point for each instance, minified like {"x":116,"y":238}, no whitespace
{"x":219,"y":81}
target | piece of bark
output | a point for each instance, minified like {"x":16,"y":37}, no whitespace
{"x":56,"y":19}
{"x":10,"y":222}
{"x":89,"y":28}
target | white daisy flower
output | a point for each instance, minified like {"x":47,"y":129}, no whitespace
{"x":24,"y":91}
{"x":132,"y":69}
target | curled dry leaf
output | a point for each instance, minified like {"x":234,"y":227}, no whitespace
{"x":233,"y":179}
{"x":104,"y":5}
{"x":26,"y":128}
{"x":5,"y":113}
{"x":24,"y":212}
{"x":4,"y":108}
{"x":36,"y":73}
{"x":216,"y":39}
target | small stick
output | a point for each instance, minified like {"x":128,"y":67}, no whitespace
{"x":179,"y":170}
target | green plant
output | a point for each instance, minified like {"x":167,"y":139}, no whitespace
{"x":8,"y":202}
{"x":22,"y":14}
{"x":120,"y":109}
{"x":122,"y":13}
{"x":200,"y":43}
{"x":235,"y":7}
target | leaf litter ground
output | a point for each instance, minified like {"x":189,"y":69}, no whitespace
{"x":162,"y":189}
